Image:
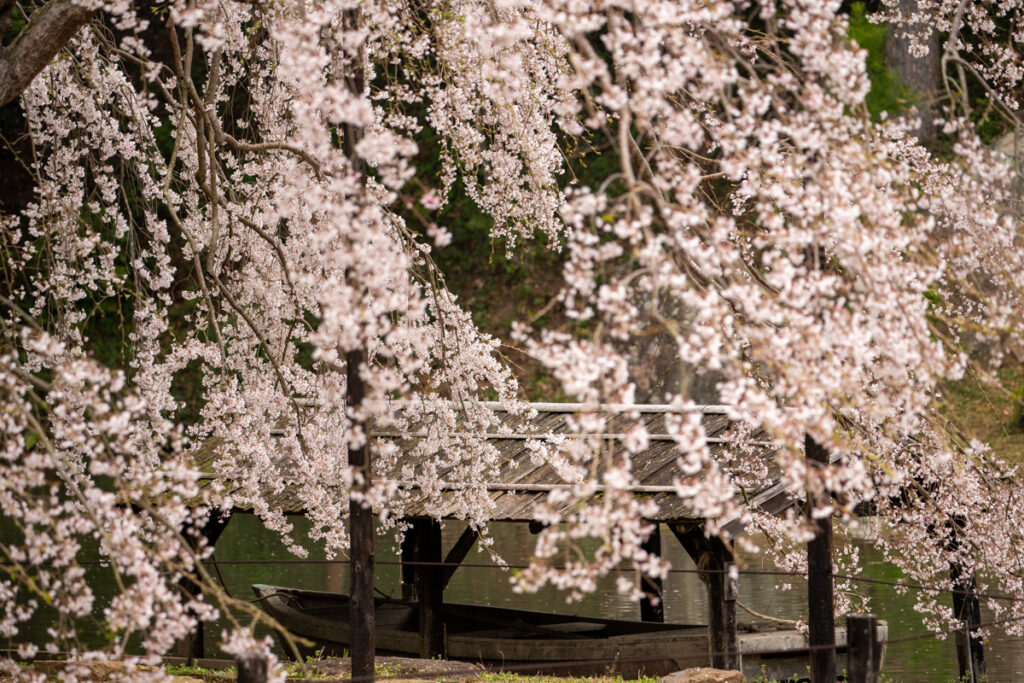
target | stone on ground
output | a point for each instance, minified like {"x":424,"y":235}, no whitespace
{"x":397,"y":668}
{"x":704,"y":675}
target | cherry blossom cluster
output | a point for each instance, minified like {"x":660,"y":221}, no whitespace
{"x":236,"y":177}
{"x":71,"y":462}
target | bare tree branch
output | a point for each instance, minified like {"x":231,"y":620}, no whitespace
{"x":47,"y":32}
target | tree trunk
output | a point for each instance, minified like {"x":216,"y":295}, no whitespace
{"x":920,"y":74}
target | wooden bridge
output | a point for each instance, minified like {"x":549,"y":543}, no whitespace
{"x":522,"y":479}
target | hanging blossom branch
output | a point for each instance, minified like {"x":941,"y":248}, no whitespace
{"x":824,"y":265}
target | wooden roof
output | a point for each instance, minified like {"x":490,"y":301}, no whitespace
{"x":521,"y":481}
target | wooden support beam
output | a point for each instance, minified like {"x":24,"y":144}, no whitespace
{"x":362,"y":619}
{"x":429,"y":586}
{"x":408,"y":569}
{"x":863,"y":654}
{"x":970,"y":649}
{"x":720,"y":578}
{"x":215,"y":526}
{"x":458,"y":553}
{"x":820,"y":597}
{"x":193,"y":646}
{"x":652,"y":605}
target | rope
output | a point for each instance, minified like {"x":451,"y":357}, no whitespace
{"x":414,"y":563}
{"x":766,"y":617}
{"x":931,"y":589}
{"x":700,"y":570}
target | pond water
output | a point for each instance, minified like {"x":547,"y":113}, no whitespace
{"x":923,"y":661}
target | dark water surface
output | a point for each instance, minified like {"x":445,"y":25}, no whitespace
{"x":923,"y":661}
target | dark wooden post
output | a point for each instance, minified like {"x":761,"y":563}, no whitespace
{"x":716,"y":559}
{"x":862,"y":649}
{"x":462,"y":546}
{"x":652,"y":605}
{"x":730,"y":593}
{"x":429,"y":586}
{"x":362,"y":620}
{"x":193,"y":646}
{"x":724,"y":618}
{"x":970,"y":649}
{"x":252,"y":668}
{"x":821,"y":610}
{"x":360,"y":518}
{"x":465,"y":542}
{"x":408,"y":566}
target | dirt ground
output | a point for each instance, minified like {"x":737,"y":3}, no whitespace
{"x":394,"y":669}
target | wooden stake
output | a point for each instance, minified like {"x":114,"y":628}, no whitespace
{"x":970,"y":649}
{"x":360,"y":517}
{"x":652,"y":605}
{"x":821,"y":609}
{"x":252,"y":668}
{"x":862,"y":654}
{"x":193,"y":646}
{"x":409,"y":569}
{"x":713,"y":555}
{"x":429,"y":587}
{"x":723,"y":591}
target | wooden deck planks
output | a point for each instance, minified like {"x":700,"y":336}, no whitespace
{"x":656,"y":465}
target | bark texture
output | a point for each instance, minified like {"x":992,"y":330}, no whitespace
{"x":48,"y":30}
{"x":920,"y":74}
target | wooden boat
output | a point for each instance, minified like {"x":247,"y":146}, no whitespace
{"x":535,"y":642}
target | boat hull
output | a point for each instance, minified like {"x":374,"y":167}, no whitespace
{"x":532,"y":642}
